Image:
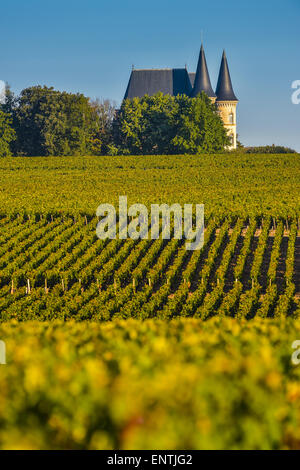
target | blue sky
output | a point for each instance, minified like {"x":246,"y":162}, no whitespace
{"x":89,"y":46}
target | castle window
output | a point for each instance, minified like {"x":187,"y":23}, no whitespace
{"x":231,"y":118}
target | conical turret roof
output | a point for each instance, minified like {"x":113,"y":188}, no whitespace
{"x":224,"y":89}
{"x":202,"y":80}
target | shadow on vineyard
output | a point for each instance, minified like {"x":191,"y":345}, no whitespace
{"x":296,"y":277}
{"x":282,"y":264}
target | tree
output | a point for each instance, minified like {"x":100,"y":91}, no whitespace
{"x":7,"y":134}
{"x":199,"y":128}
{"x":164,"y":124}
{"x":269,"y":149}
{"x":50,"y":122}
{"x":9,"y":103}
{"x":105,"y":111}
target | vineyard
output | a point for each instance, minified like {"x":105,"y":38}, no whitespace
{"x":228,"y":185}
{"x":129,"y":384}
{"x":58,"y":269}
{"x":132,"y":344}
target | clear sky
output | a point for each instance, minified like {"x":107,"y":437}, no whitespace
{"x":89,"y":46}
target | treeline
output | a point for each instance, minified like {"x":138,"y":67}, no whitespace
{"x":42,"y":121}
{"x":269,"y":149}
{"x":164,"y":124}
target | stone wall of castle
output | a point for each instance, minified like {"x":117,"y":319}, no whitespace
{"x":227,"y":110}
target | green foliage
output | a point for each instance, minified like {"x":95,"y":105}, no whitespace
{"x":182,"y":384}
{"x":269,"y":149}
{"x":50,"y":122}
{"x":165,"y":382}
{"x":241,"y":184}
{"x":198,"y":127}
{"x":164,"y":124}
{"x":74,"y":275}
{"x":105,"y":111}
{"x":7,"y":134}
{"x":10,"y":101}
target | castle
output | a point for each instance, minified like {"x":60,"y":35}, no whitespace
{"x":179,"y":81}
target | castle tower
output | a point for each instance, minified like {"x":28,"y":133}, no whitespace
{"x":227,"y":101}
{"x":202,"y":80}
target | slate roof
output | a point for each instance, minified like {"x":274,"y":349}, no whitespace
{"x":151,"y":81}
{"x":202,"y":80}
{"x":224,"y":89}
{"x":179,"y":81}
{"x":192,"y":76}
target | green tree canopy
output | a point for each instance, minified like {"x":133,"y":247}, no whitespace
{"x":50,"y":122}
{"x":269,"y":149}
{"x":164,"y":124}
